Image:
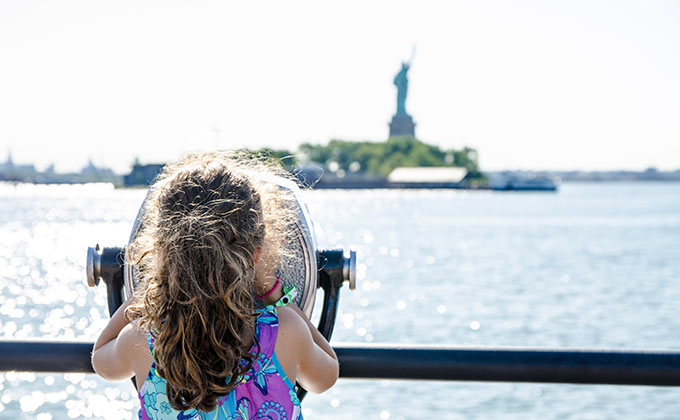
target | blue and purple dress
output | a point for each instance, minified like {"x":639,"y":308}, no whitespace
{"x":264,"y":392}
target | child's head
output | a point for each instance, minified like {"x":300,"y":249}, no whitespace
{"x":210,"y":227}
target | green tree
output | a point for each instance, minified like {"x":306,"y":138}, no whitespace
{"x":381,"y":158}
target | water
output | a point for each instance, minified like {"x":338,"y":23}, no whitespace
{"x":595,"y":265}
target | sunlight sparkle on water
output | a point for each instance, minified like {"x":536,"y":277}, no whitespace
{"x":348,"y":320}
{"x":42,"y":260}
{"x":32,"y":402}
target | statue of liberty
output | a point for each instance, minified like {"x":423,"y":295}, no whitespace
{"x":402,"y":124}
{"x":401,"y":82}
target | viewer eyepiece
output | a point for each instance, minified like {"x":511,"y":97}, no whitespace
{"x":93,"y":269}
{"x":349,"y":270}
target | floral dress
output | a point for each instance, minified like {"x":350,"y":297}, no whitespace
{"x":264,"y":392}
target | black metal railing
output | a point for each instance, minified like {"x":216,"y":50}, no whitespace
{"x":577,"y":366}
{"x":453,"y":363}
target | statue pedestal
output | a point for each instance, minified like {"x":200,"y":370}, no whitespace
{"x":402,"y":125}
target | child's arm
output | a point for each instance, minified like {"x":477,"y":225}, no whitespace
{"x":317,"y":364}
{"x":110,"y":357}
{"x":318,"y":338}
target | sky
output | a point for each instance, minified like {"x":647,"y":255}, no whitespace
{"x":585,"y":85}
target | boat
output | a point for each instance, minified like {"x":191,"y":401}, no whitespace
{"x":507,"y":181}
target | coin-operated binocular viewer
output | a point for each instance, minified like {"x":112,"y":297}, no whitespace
{"x":303,"y":266}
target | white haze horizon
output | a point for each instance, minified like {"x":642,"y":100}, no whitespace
{"x":530,"y":85}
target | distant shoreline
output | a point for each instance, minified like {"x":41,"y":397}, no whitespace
{"x":366,"y":182}
{"x":650,"y":174}
{"x":374,"y":185}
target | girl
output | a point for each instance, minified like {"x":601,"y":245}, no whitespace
{"x":211,"y":237}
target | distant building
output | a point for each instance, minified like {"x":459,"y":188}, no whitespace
{"x":20,"y":170}
{"x":428,"y":175}
{"x":90,"y":170}
{"x":8,"y":165}
{"x":142,"y":175}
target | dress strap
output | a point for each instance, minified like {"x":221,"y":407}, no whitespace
{"x":150,"y":341}
{"x":267,"y":329}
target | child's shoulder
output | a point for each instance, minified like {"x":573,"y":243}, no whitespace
{"x":292,"y":330}
{"x":291,"y":325}
{"x":292,"y":341}
{"x":132,"y":342}
{"x":131,"y":336}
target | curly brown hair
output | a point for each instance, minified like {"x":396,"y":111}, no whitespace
{"x":204,"y":218}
